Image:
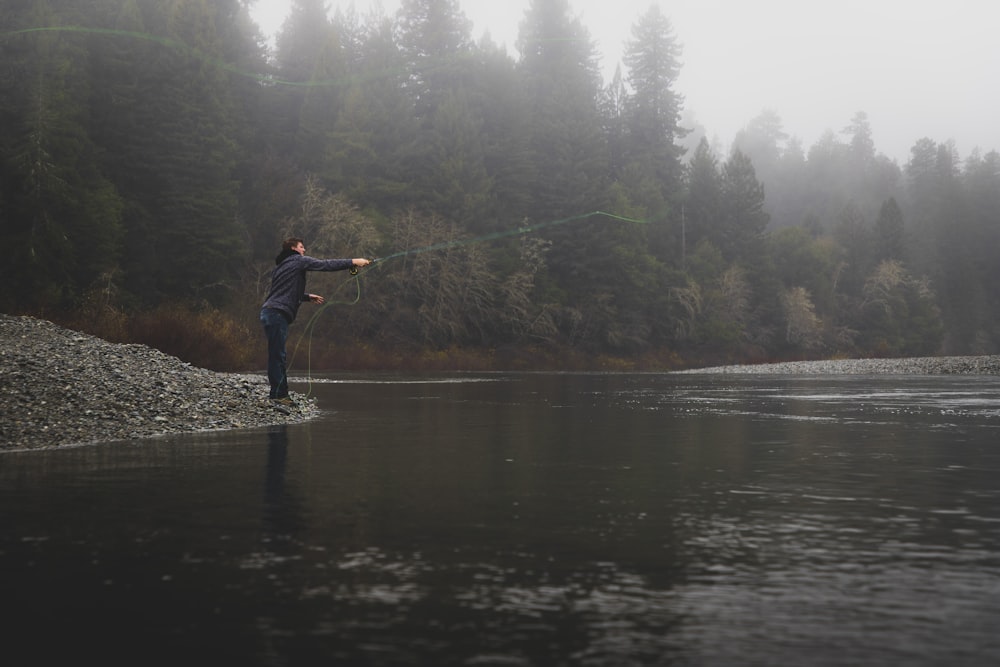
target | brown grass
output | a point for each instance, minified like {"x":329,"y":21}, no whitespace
{"x":210,"y":338}
{"x":205,"y":337}
{"x":202,"y":336}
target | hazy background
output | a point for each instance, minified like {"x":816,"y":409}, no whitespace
{"x":919,"y":68}
{"x":148,"y":167}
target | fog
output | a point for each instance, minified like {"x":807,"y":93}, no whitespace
{"x":918,"y":68}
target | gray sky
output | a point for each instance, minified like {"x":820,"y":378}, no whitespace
{"x":918,"y":68}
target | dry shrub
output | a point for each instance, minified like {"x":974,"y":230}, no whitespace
{"x":204,"y":337}
{"x":98,"y":311}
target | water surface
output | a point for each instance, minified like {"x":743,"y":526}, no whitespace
{"x":534,"y":519}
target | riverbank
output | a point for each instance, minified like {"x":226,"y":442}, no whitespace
{"x":61,"y":387}
{"x":972,"y":365}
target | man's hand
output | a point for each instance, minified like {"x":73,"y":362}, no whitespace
{"x":361,"y":261}
{"x":316,"y":298}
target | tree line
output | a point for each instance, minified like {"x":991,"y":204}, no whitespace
{"x":156,"y":151}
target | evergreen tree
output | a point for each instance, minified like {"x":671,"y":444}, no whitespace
{"x":173,"y":149}
{"x":305,"y":64}
{"x":872,"y":178}
{"x":653,"y":109}
{"x":60,"y":217}
{"x":763,"y":140}
{"x":855,"y":235}
{"x":981,"y":182}
{"x":745,"y":246}
{"x":862,"y":146}
{"x":373,"y":132}
{"x":434,"y":37}
{"x":568,"y":158}
{"x":445,"y":161}
{"x":743,"y":218}
{"x":889,"y":241}
{"x":613,"y":100}
{"x":559,"y":67}
{"x":313,"y":71}
{"x":702,"y":215}
{"x":450,"y":171}
{"x":942,"y":245}
{"x":780,"y":166}
{"x":498,"y":98}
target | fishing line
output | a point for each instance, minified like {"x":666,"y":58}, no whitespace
{"x":356,"y":272}
{"x":307,"y":332}
{"x":196,"y":53}
{"x":518,"y":231}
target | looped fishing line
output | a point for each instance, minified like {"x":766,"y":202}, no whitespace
{"x":307,"y":332}
{"x":198,"y":54}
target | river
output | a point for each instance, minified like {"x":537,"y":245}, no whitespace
{"x":527,"y":519}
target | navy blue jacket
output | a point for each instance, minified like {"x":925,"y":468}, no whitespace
{"x":288,"y":282}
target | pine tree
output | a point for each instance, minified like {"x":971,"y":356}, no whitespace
{"x":613,"y":100}
{"x":653,"y":108}
{"x":981,"y":182}
{"x":763,"y":140}
{"x":856,"y":236}
{"x":743,"y":218}
{"x":435,"y":40}
{"x":61,"y":217}
{"x":376,"y":123}
{"x":445,"y":160}
{"x":305,"y":67}
{"x":702,"y":215}
{"x":499,"y":99}
{"x":569,"y":162}
{"x":559,"y":68}
{"x":744,"y":245}
{"x":170,"y":139}
{"x":313,"y":74}
{"x":889,"y":232}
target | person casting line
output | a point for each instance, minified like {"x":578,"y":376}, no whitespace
{"x":288,"y":290}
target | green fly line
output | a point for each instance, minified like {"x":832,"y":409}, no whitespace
{"x":307,"y":332}
{"x":198,"y":54}
{"x":519,"y":231}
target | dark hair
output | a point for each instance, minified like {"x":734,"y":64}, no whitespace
{"x":291,"y":243}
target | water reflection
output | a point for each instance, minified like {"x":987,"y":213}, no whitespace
{"x":534,"y":520}
{"x":283,"y":508}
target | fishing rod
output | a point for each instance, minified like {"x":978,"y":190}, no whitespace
{"x":356,"y":271}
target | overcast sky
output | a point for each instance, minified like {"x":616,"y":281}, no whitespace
{"x":918,"y":68}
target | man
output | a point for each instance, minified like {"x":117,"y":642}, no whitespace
{"x":288,"y":291}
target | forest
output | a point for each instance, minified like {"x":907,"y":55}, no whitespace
{"x":526,"y":212}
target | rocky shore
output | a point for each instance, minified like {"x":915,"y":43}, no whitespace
{"x":60,"y":387}
{"x":973,"y":365}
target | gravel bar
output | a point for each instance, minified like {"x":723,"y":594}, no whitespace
{"x":977,"y":365}
{"x":60,"y":387}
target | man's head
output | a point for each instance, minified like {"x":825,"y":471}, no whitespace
{"x":295,"y":244}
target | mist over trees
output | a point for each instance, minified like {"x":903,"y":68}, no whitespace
{"x":156,"y":151}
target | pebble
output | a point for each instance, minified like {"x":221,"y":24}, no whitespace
{"x":60,"y":387}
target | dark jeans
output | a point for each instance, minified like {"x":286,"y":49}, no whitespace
{"x":276,"y":331}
